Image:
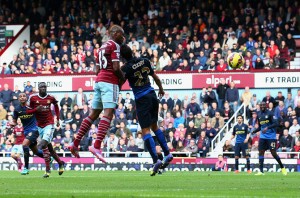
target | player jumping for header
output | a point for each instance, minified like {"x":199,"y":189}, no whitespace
{"x":137,"y":71}
{"x":108,"y":83}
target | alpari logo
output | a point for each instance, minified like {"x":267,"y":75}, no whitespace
{"x":89,"y":83}
{"x":215,"y":80}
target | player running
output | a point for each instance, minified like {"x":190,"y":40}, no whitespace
{"x":17,"y":149}
{"x":108,"y":83}
{"x":45,"y":122}
{"x":27,"y":117}
{"x":267,"y":139}
{"x":137,"y":71}
{"x":240,"y":131}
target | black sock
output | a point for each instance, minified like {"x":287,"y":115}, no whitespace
{"x":160,"y":156}
{"x":26,"y":156}
{"x":248,"y":163}
{"x":236,"y":164}
{"x":261,"y":163}
{"x":40,"y":153}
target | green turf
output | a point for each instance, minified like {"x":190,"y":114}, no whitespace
{"x":140,"y":184}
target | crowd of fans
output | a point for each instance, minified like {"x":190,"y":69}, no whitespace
{"x":189,"y":123}
{"x":176,"y":35}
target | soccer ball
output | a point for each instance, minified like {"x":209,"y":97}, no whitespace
{"x":235,"y":60}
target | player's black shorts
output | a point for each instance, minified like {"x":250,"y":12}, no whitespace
{"x":147,"y":109}
{"x":241,"y":147}
{"x":266,"y":144}
{"x":32,"y":137}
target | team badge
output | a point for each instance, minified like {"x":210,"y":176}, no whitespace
{"x":29,"y":134}
{"x":266,"y":116}
{"x":48,"y":101}
{"x":242,"y":128}
{"x":37,"y":102}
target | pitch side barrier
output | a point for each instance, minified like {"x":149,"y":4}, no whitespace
{"x":87,"y":162}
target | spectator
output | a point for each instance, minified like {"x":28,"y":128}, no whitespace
{"x":295,"y":127}
{"x":217,"y":122}
{"x":280,"y":108}
{"x":210,"y":132}
{"x":278,"y":98}
{"x":178,"y":120}
{"x":289,"y":101}
{"x":3,"y":112}
{"x":203,"y":144}
{"x":228,"y":148}
{"x":171,"y":139}
{"x":168,"y":119}
{"x":168,"y":100}
{"x":6,"y":96}
{"x":254,"y":149}
{"x":232,"y":96}
{"x":210,"y":96}
{"x":112,"y":141}
{"x":132,"y":148}
{"x":192,"y":130}
{"x":227,"y":112}
{"x":268,"y":98}
{"x":193,"y":107}
{"x":296,"y":139}
{"x":297,"y":98}
{"x":80,"y":99}
{"x":139,"y":142}
{"x":119,"y":110}
{"x":180,"y":133}
{"x":285,"y":142}
{"x":220,"y":164}
{"x":192,"y":148}
{"x":221,"y":91}
{"x":213,"y":110}
{"x":123,"y":129}
{"x":66,"y":100}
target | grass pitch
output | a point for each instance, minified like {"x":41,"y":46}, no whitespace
{"x":140,"y":184}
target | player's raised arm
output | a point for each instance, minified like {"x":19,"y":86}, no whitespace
{"x":156,"y":79}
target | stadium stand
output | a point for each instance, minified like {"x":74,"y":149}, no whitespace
{"x":178,"y":37}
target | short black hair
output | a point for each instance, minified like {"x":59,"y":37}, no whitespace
{"x":126,"y":52}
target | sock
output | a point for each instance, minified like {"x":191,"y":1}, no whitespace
{"x":46,"y":155}
{"x":54,"y":154}
{"x":150,"y":144}
{"x":162,"y":141}
{"x":19,"y":160}
{"x":160,"y":156}
{"x":84,"y":127}
{"x":26,"y":156}
{"x":248,"y":163}
{"x":102,"y":129}
{"x":236,"y":165}
{"x":279,"y":161}
{"x":261,"y":163}
{"x":39,"y":153}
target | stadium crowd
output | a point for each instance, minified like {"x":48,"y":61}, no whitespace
{"x":175,"y":35}
{"x":189,"y":123}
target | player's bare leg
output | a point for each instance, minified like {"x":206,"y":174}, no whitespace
{"x":277,"y":158}
{"x":102,"y":129}
{"x":84,"y":128}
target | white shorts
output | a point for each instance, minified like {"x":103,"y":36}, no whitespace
{"x":106,"y":95}
{"x":46,"y":133}
{"x":18,"y":149}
